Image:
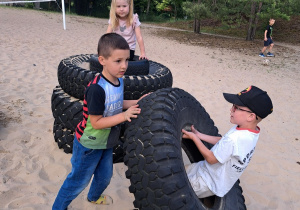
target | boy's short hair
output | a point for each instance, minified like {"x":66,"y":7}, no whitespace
{"x":109,"y":42}
{"x":254,"y":98}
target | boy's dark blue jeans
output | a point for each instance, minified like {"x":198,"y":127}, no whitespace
{"x":85,"y":163}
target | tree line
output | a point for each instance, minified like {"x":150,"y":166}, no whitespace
{"x":238,"y":11}
{"x":228,"y":12}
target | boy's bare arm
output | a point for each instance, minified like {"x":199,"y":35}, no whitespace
{"x":207,"y":154}
{"x":100,"y":122}
{"x":129,"y":103}
{"x":265,"y":38}
{"x":210,"y":139}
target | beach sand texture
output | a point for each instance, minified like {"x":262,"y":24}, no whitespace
{"x":32,"y":168}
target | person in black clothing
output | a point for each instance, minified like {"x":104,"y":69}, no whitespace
{"x":268,"y":41}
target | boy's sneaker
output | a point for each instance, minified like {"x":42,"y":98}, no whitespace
{"x":103,"y":199}
{"x":270,"y":54}
{"x":261,"y":55}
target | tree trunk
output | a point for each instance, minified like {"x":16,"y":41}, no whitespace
{"x":175,"y":11}
{"x":253,"y":21}
{"x":197,"y":26}
{"x":36,"y":5}
{"x":197,"y":23}
{"x":148,"y":7}
{"x":214,"y":3}
{"x":256,"y":20}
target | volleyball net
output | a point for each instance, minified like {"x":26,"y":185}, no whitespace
{"x":7,"y":2}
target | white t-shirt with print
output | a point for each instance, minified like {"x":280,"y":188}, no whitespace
{"x":234,"y":152}
{"x":128,"y":32}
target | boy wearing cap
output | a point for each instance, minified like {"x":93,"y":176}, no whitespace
{"x":231,"y":154}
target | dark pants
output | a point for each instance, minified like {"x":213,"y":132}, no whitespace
{"x":268,"y":42}
{"x":131,"y":55}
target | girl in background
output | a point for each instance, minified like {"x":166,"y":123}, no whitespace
{"x":123,"y":22}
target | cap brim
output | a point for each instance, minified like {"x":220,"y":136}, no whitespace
{"x":233,"y":98}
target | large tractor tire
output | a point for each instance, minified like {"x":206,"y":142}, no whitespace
{"x":66,"y":109}
{"x":73,"y":78}
{"x":154,"y":154}
{"x":67,"y":112}
{"x":65,"y":137}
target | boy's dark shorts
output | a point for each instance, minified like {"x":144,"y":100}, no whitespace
{"x":268,"y":42}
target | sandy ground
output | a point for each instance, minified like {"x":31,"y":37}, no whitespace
{"x":32,"y":168}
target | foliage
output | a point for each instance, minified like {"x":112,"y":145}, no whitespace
{"x":228,"y":11}
{"x":195,"y":10}
{"x":163,"y":17}
{"x":231,"y":13}
{"x":273,"y":11}
{"x":29,"y":5}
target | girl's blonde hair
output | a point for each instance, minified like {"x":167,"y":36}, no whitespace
{"x":114,"y":20}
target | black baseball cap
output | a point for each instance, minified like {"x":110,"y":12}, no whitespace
{"x":254,"y":98}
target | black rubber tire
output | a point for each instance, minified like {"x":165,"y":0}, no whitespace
{"x":66,"y":110}
{"x":65,"y":137}
{"x":135,"y":67}
{"x":94,"y":64}
{"x":153,"y":154}
{"x":73,"y":79}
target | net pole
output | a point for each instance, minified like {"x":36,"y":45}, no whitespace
{"x":64,"y":13}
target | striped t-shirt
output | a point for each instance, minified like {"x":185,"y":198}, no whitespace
{"x":101,"y":98}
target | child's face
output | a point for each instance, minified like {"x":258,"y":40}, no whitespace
{"x":122,"y":8}
{"x":116,"y":64}
{"x":239,"y":114}
{"x":272,"y":21}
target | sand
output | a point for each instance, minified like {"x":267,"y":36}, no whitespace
{"x":32,"y":168}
